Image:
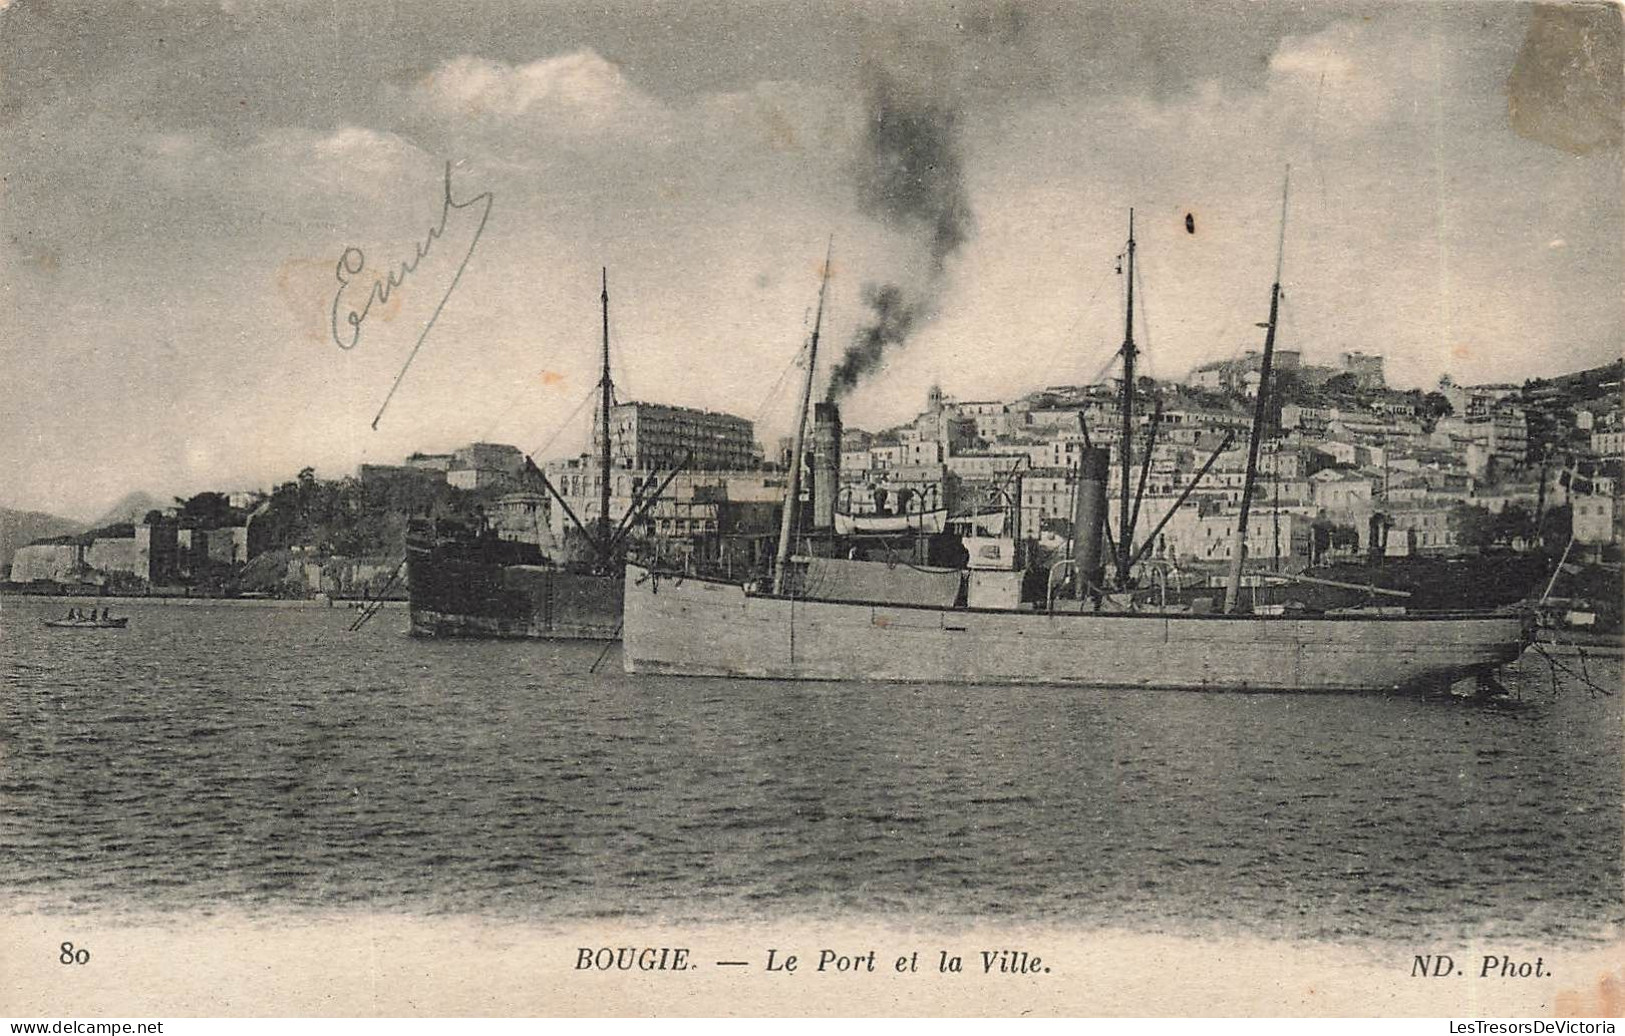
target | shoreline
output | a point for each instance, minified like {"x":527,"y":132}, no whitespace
{"x":72,"y":600}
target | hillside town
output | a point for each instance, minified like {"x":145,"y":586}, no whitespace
{"x":1351,"y":469}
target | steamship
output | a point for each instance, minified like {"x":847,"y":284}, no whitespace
{"x":838,"y":618}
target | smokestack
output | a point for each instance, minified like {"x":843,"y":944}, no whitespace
{"x":826,"y":463}
{"x":1089,"y":519}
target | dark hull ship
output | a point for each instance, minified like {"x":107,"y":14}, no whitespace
{"x":483,"y":587}
{"x":464,"y":582}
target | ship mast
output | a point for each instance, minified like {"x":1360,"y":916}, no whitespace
{"x":792,"y":492}
{"x":1125,"y":532}
{"x":606,"y":391}
{"x":1260,"y":411}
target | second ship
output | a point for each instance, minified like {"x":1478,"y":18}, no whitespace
{"x":468,"y":580}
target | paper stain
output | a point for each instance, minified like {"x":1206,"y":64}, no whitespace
{"x":1605,"y":1000}
{"x":781,"y":134}
{"x":1461,"y":352}
{"x":46,"y":262}
{"x":552,"y":379}
{"x":392,"y":308}
{"x":306,"y":288}
{"x":1565,"y":89}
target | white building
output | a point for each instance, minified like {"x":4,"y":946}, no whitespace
{"x":1593,"y":519}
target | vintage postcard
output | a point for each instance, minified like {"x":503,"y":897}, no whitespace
{"x":705,"y":508}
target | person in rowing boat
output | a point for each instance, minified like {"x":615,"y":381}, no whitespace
{"x":105,"y":616}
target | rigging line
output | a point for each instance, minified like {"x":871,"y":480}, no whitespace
{"x":371,"y":607}
{"x":618,"y":363}
{"x":1145,"y":321}
{"x":607,"y":645}
{"x":772,"y":394}
{"x":562,"y":425}
{"x":1078,"y":319}
{"x":1556,"y":665}
{"x":513,"y":403}
{"x":1314,"y":138}
{"x":1111,"y":361}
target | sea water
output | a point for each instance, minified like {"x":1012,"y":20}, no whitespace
{"x":267,"y":760}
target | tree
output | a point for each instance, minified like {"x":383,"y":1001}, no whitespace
{"x":206,"y":510}
{"x":1436,"y":405}
{"x":1513,"y":523}
{"x":1344,"y":386}
{"x":1556,"y":525}
{"x":1474,"y":526}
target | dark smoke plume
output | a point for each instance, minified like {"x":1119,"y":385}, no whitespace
{"x":909,"y":175}
{"x":889,"y":325}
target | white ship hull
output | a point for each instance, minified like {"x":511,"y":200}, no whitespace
{"x":695,"y":627}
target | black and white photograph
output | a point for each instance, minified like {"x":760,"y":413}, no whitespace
{"x":609,"y":507}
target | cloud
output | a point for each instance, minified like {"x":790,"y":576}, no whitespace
{"x":351,"y":157}
{"x":1355,"y":72}
{"x":573,"y":93}
{"x":189,"y":205}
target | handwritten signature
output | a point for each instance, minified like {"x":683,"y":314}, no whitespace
{"x":353,"y":261}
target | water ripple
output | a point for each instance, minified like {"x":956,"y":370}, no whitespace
{"x":208,"y":758}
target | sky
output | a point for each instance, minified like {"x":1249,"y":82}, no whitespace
{"x":186,"y":183}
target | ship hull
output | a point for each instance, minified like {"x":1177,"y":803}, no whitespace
{"x":694,"y":627}
{"x":485,"y":600}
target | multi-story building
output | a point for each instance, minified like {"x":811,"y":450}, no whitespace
{"x":1415,"y":528}
{"x":524,"y":517}
{"x":1473,"y":400}
{"x":1608,"y":443}
{"x":992,"y":418}
{"x":1193,"y":535}
{"x":1310,"y":419}
{"x":649,"y":436}
{"x":485,"y":465}
{"x":1342,"y":491}
{"x":988,"y":464}
{"x":1594,"y":519}
{"x":1046,"y":495}
{"x":1499,"y":435}
{"x":689,"y":505}
{"x":944,"y":426}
